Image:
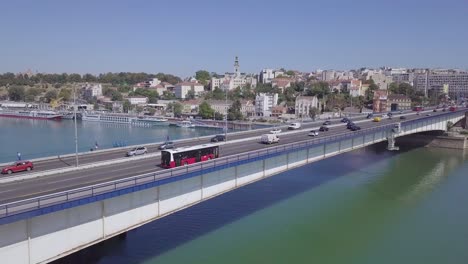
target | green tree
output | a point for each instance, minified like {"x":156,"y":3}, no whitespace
{"x":205,"y":110}
{"x":50,"y":95}
{"x":202,"y":76}
{"x":313,"y":112}
{"x":167,"y":95}
{"x":175,"y":108}
{"x":290,"y":73}
{"x":234,"y":112}
{"x":126,"y":106}
{"x":116,"y":96}
{"x":65,"y":94}
{"x":16,"y":93}
{"x":31,"y":94}
{"x":190,"y":95}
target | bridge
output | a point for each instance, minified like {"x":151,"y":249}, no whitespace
{"x":56,"y":212}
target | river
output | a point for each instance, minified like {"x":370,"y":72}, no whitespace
{"x":366,"y":206}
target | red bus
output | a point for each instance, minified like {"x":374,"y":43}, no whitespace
{"x":453,"y":109}
{"x":418,"y":108}
{"x":171,"y":158}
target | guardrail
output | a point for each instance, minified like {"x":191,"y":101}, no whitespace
{"x":175,"y":174}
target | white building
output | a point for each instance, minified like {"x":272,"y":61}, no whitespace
{"x":267,"y":75}
{"x":230,"y":81}
{"x":138,"y":100}
{"x":304,"y":104}
{"x":355,"y":88}
{"x":91,"y":90}
{"x":181,"y":89}
{"x":264,"y":103}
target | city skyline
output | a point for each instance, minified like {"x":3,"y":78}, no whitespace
{"x":180,"y":37}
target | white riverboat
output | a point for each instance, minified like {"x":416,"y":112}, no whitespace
{"x":30,"y":114}
{"x":186,"y":124}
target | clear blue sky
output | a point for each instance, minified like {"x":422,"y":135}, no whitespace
{"x":180,"y":37}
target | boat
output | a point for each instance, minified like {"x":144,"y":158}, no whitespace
{"x":31,"y":114}
{"x":107,"y":118}
{"x":185,"y":123}
{"x":152,"y":119}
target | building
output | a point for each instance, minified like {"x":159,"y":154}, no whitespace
{"x":355,"y":88}
{"x":247,"y":108}
{"x":91,"y":90}
{"x":267,"y":75}
{"x":264,"y":103}
{"x":304,"y":104}
{"x":182,"y":89}
{"x":278,"y":111}
{"x":230,"y":81}
{"x":220,"y":106}
{"x":398,"y":102}
{"x":380,"y":101}
{"x":327,"y":76}
{"x":281,"y":83}
{"x":191,"y":106}
{"x":457,"y":83}
{"x":138,"y":100}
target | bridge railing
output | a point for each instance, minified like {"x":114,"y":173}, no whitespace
{"x":175,"y":174}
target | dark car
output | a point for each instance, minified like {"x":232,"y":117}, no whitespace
{"x":369,"y":116}
{"x":218,"y":138}
{"x":167,"y":145}
{"x":435,"y":110}
{"x":323,"y":128}
{"x":345,"y":120}
{"x":444,"y":109}
{"x":355,"y":128}
{"x":402,"y":117}
{"x":349,"y":125}
{"x":326,"y":123}
{"x":17,"y":167}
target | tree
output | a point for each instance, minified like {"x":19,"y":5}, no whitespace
{"x":202,"y":76}
{"x":31,"y":94}
{"x":205,"y":110}
{"x":50,"y":95}
{"x":116,"y":96}
{"x":65,"y":94}
{"x":16,"y":93}
{"x":290,"y":73}
{"x":126,"y":106}
{"x":175,"y":108}
{"x":190,"y":95}
{"x":234,"y":112}
{"x":167,"y":95}
{"x":313,"y":111}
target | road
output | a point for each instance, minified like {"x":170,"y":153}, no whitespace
{"x":15,"y":191}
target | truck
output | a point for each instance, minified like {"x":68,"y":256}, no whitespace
{"x":269,"y":138}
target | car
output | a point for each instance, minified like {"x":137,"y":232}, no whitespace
{"x":435,"y":110}
{"x":345,"y":120}
{"x":418,"y":113}
{"x":269,"y":138}
{"x":294,"y":126}
{"x":428,"y":114}
{"x":444,"y":109}
{"x":390,"y":114}
{"x":355,"y":128}
{"x":324,"y":128}
{"x":313,"y":133}
{"x":369,"y":116}
{"x":349,"y":125}
{"x":167,"y":145}
{"x":218,"y":138}
{"x":275,"y":131}
{"x":377,"y":119}
{"x":18,"y":166}
{"x":137,"y":151}
{"x":402,"y":117}
{"x":327,"y":123}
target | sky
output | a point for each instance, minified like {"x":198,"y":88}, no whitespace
{"x":181,"y":37}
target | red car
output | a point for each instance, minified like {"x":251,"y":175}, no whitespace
{"x":17,"y":167}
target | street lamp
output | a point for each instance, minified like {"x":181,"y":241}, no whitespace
{"x":225,"y":117}
{"x":76,"y":131}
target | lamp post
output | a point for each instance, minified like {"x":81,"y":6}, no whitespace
{"x":76,"y":131}
{"x":225,"y":118}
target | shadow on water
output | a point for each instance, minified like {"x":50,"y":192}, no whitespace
{"x":167,"y":233}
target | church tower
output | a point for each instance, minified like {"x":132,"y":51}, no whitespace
{"x":236,"y":67}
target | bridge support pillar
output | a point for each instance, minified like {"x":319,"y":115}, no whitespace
{"x":465,"y":124}
{"x":391,"y":143}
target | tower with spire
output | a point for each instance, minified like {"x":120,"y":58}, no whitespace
{"x":236,"y":67}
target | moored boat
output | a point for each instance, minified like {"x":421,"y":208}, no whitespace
{"x":30,"y":114}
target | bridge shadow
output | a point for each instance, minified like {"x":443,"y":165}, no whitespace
{"x":158,"y":237}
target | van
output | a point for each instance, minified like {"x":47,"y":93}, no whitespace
{"x":270,"y":138}
{"x":293,"y":126}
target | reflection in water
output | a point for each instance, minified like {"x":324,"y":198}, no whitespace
{"x":339,"y":210}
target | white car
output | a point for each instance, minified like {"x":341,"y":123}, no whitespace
{"x":294,"y":126}
{"x":275,"y":131}
{"x":313,"y":133}
{"x":137,"y":151}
